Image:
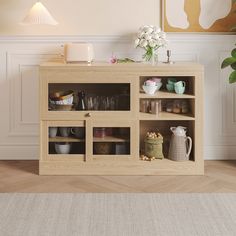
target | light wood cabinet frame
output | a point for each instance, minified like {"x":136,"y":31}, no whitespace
{"x":134,"y":74}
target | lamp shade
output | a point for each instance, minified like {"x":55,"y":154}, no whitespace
{"x":39,"y":15}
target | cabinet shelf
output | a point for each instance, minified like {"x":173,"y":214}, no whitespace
{"x":59,"y":139}
{"x":165,"y":116}
{"x":165,"y":95}
{"x":111,"y":139}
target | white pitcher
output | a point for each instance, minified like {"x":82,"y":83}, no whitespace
{"x":180,"y":144}
{"x":179,"y":130}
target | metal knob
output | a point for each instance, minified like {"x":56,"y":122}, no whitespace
{"x":89,"y":114}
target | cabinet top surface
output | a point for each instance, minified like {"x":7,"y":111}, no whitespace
{"x":183,"y":66}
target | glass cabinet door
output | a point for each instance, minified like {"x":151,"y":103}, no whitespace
{"x":89,"y":140}
{"x":64,"y":140}
{"x":112,"y":140}
{"x":80,"y":98}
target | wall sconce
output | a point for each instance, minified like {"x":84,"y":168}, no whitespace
{"x":39,"y":15}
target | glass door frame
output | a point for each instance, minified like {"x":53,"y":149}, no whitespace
{"x":134,"y":139}
{"x":87,"y":78}
{"x":45,"y":156}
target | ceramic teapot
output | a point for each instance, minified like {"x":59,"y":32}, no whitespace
{"x":180,"y":145}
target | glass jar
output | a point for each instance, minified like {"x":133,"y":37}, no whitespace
{"x":177,"y":106}
{"x":169,"y":106}
{"x":99,"y":132}
{"x":154,"y":107}
{"x":145,"y":106}
{"x":184,"y":107}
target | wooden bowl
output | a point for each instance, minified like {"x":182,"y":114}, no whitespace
{"x":61,"y":95}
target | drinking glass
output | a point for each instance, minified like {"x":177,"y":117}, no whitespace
{"x":103,"y":103}
{"x":112,"y":103}
{"x":90,"y":105}
{"x":96,"y":103}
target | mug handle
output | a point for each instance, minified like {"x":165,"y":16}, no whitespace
{"x":172,"y":129}
{"x":184,"y":83}
{"x":189,"y":144}
{"x":72,"y":131}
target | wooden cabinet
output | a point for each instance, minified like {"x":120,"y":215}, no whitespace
{"x":78,"y":135}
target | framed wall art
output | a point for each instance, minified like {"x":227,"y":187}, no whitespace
{"x":198,"y":15}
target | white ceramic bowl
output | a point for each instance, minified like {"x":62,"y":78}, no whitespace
{"x":67,"y":101}
{"x":158,"y":85}
{"x":151,"y":90}
{"x":62,"y":148}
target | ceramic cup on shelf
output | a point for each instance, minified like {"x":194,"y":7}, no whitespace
{"x":53,"y":132}
{"x":180,"y":87}
{"x":180,"y":90}
{"x":62,"y":148}
{"x":180,"y":84}
{"x":170,"y":86}
{"x":64,"y":131}
{"x":171,"y":81}
{"x":78,"y":132}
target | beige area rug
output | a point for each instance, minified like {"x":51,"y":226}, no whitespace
{"x":117,"y":214}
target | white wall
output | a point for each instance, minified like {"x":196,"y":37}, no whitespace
{"x":20,"y":55}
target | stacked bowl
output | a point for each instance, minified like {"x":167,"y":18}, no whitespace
{"x":151,"y":86}
{"x":61,"y":100}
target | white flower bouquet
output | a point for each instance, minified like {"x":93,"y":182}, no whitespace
{"x":150,"y":38}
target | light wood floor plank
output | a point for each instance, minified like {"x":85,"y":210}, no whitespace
{"x":22,"y":176}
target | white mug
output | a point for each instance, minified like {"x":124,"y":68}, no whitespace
{"x":64,"y":131}
{"x":53,"y":132}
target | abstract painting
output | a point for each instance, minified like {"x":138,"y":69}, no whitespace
{"x":198,"y":15}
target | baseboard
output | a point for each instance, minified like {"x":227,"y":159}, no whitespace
{"x":220,"y":153}
{"x":19,"y":153}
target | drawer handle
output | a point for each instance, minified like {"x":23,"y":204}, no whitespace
{"x":88,"y":114}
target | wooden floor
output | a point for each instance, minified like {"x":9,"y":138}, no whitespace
{"x":22,"y":176}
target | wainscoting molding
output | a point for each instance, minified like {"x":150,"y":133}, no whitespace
{"x":20,"y":57}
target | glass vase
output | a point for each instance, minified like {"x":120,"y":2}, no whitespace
{"x":151,"y":56}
